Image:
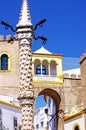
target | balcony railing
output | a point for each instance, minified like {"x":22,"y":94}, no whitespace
{"x":46,"y":78}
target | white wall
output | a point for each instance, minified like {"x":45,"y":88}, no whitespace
{"x":39,"y":117}
{"x":8,"y":114}
{"x":69,"y":125}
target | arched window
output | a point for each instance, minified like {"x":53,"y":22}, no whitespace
{"x":40,"y":70}
{"x":76,"y":128}
{"x":4,"y":62}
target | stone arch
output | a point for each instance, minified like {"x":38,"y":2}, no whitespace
{"x":55,"y":96}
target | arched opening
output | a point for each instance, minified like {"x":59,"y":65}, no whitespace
{"x":45,"y":64}
{"x":53,"y":70}
{"x":77,"y":127}
{"x":36,"y":63}
{"x":4,"y":62}
{"x":41,"y":70}
{"x":49,"y":99}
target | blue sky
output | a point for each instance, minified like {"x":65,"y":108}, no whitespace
{"x":65,"y":27}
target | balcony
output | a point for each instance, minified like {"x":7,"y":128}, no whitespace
{"x":47,"y":78}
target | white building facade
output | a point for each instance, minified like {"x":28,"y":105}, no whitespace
{"x":10,"y":114}
{"x":74,"y":120}
{"x":40,"y":119}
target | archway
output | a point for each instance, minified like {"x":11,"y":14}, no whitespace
{"x":56,"y":98}
{"x":53,"y":94}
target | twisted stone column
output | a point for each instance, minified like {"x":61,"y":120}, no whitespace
{"x":25,"y":67}
{"x":26,"y":94}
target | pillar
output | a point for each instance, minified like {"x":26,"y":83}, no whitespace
{"x":24,"y":32}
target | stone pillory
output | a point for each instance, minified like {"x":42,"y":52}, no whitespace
{"x":26,"y":95}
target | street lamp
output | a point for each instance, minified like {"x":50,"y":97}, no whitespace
{"x":60,"y":113}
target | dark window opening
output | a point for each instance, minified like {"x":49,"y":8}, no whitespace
{"x":37,"y":126}
{"x":4,"y":62}
{"x":77,"y":128}
{"x":40,"y":70}
{"x":15,"y":123}
{"x":42,"y":123}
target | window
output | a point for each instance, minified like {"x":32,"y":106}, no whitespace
{"x":4,"y":62}
{"x":15,"y":122}
{"x":40,"y":70}
{"x":37,"y":126}
{"x":76,"y":128}
{"x":42,"y":123}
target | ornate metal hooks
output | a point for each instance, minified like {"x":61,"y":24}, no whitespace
{"x":40,"y":23}
{"x":7,"y":26}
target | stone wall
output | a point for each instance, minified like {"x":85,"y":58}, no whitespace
{"x":83,"y":77}
{"x":71,"y":91}
{"x":9,"y":80}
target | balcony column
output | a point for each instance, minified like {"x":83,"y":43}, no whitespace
{"x":48,"y":68}
{"x":41,"y":67}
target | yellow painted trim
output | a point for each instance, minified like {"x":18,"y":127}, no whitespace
{"x":60,"y":71}
{"x":53,"y":60}
{"x":9,"y":60}
{"x":36,"y":59}
{"x":47,"y":82}
{"x":40,"y":59}
{"x":48,"y":59}
{"x":45,"y":59}
{"x":60,"y":76}
{"x":56,"y":55}
{"x":5,"y":71}
{"x":10,"y":104}
{"x":73,"y":116}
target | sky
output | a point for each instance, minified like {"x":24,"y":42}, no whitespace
{"x":65,"y":27}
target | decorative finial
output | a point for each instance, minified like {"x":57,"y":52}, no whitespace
{"x":24,"y":25}
{"x":24,"y":19}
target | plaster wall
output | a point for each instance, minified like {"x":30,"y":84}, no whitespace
{"x":69,"y":125}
